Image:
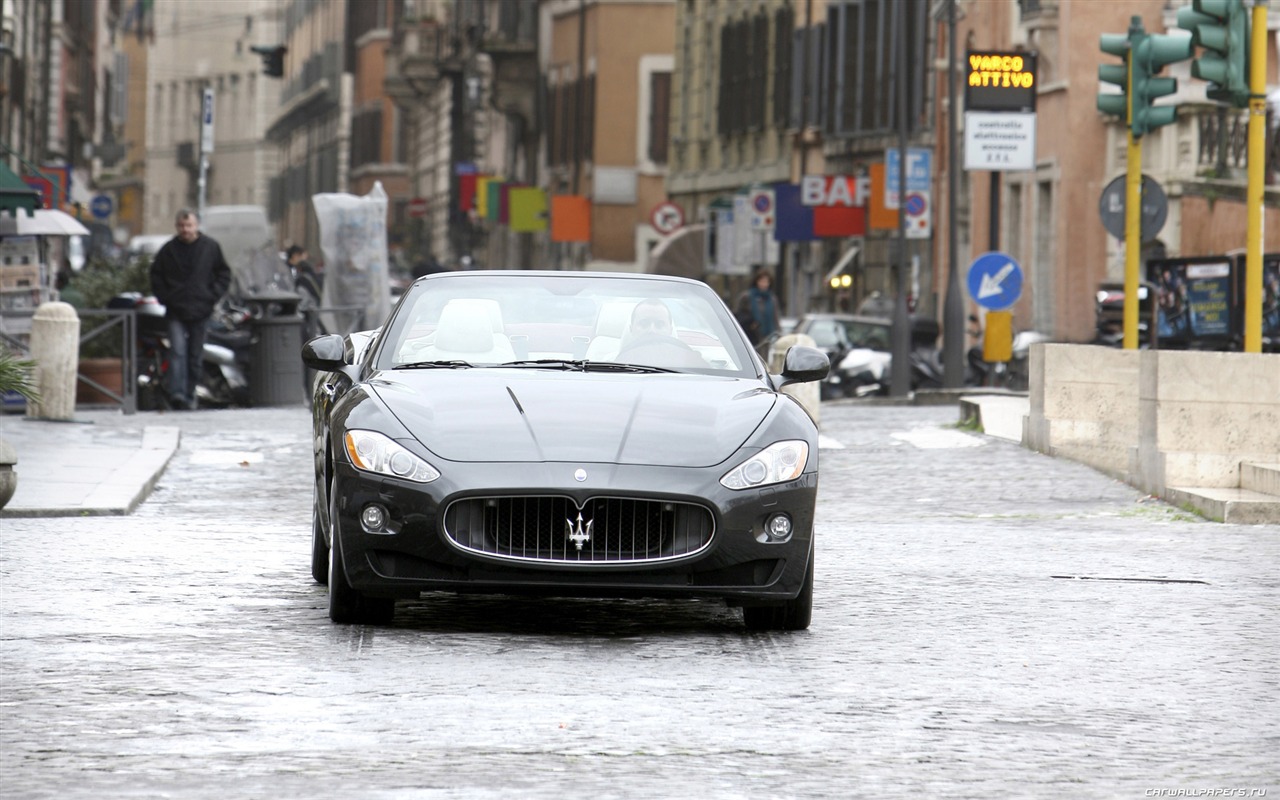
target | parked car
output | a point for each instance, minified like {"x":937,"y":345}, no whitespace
{"x":561,"y":433}
{"x":148,"y":244}
{"x":860,"y":348}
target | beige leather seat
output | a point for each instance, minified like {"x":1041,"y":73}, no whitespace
{"x":612,"y":322}
{"x":470,"y":330}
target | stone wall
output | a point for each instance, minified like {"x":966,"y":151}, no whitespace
{"x":1155,"y":418}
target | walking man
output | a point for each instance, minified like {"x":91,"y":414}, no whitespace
{"x":188,"y":276}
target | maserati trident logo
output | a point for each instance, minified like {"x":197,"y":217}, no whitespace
{"x":577,"y":533}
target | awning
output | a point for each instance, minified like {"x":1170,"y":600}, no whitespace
{"x":845,"y":261}
{"x":45,"y":222}
{"x":15,"y":194}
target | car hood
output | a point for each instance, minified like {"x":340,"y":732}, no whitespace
{"x":536,"y":415}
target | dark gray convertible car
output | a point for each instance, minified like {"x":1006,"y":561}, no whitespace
{"x":565,"y":434}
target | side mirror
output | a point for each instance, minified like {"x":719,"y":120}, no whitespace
{"x":325,"y":353}
{"x":804,"y":364}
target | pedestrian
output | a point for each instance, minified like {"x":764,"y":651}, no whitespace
{"x":66,"y":292}
{"x":757,"y":309}
{"x":188,"y":276}
{"x":305,"y":277}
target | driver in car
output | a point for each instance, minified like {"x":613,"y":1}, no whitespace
{"x":651,"y":339}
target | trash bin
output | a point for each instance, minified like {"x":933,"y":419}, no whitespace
{"x":275,"y":368}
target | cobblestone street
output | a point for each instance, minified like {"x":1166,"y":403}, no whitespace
{"x":989,"y":622}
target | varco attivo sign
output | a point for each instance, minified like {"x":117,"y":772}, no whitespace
{"x":1000,"y":111}
{"x":1001,"y":82}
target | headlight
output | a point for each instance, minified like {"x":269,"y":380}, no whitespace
{"x":373,"y":452}
{"x":777,"y":463}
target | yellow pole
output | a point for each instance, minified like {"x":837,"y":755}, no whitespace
{"x":1132,"y":241}
{"x":1253,"y":194}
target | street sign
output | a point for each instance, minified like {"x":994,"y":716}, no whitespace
{"x":206,"y":122}
{"x":919,"y":215}
{"x":101,"y":206}
{"x":1000,"y":81}
{"x":763,"y":211}
{"x":999,"y":141}
{"x":919,"y":173}
{"x":666,"y":217}
{"x":1155,"y":207}
{"x":417,"y":207}
{"x":995,"y":281}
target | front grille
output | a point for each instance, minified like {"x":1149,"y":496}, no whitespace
{"x":553,"y":529}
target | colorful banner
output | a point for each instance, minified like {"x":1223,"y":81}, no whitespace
{"x":882,"y":218}
{"x":484,"y":185}
{"x":527,"y":209}
{"x":570,"y":218}
{"x":493,"y":200}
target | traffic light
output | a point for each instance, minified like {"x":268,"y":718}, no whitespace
{"x":272,"y":59}
{"x":1150,"y":53}
{"x":1116,"y":44}
{"x":1221,"y":27}
{"x":1144,"y":56}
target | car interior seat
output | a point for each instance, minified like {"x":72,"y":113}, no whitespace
{"x":470,"y":330}
{"x":612,"y":323}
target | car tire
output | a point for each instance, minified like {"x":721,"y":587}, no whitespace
{"x":346,"y":605}
{"x":793,"y":615}
{"x":319,"y":547}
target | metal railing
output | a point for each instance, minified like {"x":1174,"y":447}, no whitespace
{"x":123,"y":320}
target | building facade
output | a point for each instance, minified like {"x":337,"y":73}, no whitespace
{"x":198,"y":48}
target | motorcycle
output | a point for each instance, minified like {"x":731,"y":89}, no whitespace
{"x":224,"y":367}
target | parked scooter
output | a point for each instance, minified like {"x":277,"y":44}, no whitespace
{"x":1014,"y":374}
{"x":224,"y":368}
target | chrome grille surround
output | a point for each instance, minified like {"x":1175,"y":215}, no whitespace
{"x":545,"y":529}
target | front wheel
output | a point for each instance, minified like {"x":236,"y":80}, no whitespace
{"x":319,"y":548}
{"x":346,"y":605}
{"x":793,"y":615}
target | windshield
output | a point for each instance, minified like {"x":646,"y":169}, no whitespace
{"x":487,"y":319}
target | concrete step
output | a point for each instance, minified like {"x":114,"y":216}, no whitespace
{"x":1240,"y":506}
{"x":1260,"y":477}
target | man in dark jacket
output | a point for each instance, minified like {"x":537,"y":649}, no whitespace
{"x":188,"y":276}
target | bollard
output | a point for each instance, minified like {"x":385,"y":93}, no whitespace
{"x":55,"y":347}
{"x":807,"y":394}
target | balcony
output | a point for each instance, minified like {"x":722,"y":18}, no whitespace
{"x":510,"y":41}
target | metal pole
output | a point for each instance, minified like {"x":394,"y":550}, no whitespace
{"x":900,"y":366}
{"x":1254,"y":192}
{"x":1132,"y":211}
{"x":203,"y":184}
{"x":953,"y":310}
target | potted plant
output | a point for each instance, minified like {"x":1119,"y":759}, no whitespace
{"x":100,"y":357}
{"x":16,"y":375}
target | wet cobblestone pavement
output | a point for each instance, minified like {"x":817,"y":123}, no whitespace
{"x":964,"y":644}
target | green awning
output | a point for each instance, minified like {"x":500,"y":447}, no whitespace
{"x":15,"y":194}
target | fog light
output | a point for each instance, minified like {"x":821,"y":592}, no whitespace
{"x":778,"y":526}
{"x":373,"y":518}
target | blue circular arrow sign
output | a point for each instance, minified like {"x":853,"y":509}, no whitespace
{"x":101,"y":206}
{"x":995,"y":281}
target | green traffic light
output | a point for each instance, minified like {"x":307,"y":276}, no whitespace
{"x":1116,"y":104}
{"x":1151,"y":52}
{"x":1221,"y":28}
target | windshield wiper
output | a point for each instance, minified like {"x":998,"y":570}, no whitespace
{"x":434,"y":365}
{"x":585,"y":365}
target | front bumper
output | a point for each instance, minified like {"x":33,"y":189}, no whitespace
{"x":741,"y":563}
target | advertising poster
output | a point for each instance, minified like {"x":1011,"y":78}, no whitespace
{"x":1197,"y":299}
{"x":1271,"y":297}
